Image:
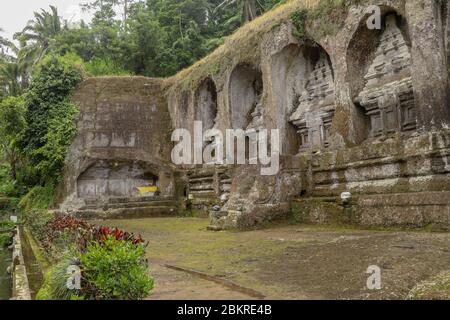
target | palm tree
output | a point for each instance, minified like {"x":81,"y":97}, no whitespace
{"x":9,"y":69}
{"x":36,"y":38}
{"x":3,"y":41}
{"x":6,"y":48}
{"x":10,"y":78}
{"x":248,"y":9}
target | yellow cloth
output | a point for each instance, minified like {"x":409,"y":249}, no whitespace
{"x":148,"y":189}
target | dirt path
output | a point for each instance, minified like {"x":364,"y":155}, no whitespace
{"x":287,"y":262}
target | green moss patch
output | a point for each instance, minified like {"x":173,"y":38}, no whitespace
{"x":435,"y":288}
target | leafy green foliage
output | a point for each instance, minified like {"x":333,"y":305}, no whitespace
{"x":12,"y":126}
{"x":34,"y":207}
{"x":50,"y":116}
{"x":111,"y":261}
{"x":144,"y":37}
{"x":38,"y":198}
{"x":116,"y":270}
{"x":299,"y":20}
{"x":5,"y":239}
{"x":7,"y":184}
{"x":6,"y":226}
{"x":55,"y":280}
{"x":6,"y":235}
{"x":36,"y":38}
{"x":105,"y":67}
{"x":153,"y":37}
{"x":10,"y":73}
{"x":329,"y":16}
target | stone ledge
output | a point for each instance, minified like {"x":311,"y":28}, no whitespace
{"x":21,"y":287}
{"x":406,"y":199}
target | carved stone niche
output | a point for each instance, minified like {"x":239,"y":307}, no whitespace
{"x":314,"y":114}
{"x":246,"y":104}
{"x":206,"y":107}
{"x":388,"y":96}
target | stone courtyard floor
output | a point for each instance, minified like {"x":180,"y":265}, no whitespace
{"x":289,"y":262}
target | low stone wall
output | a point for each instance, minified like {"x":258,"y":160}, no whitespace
{"x":419,"y":209}
{"x":413,"y":210}
{"x":21,"y":288}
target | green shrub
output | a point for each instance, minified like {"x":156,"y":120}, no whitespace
{"x":105,"y":67}
{"x":4,"y":202}
{"x":55,"y":280}
{"x":50,"y":118}
{"x":60,"y":132}
{"x":116,"y":270}
{"x":5,"y":239}
{"x":6,"y":225}
{"x":8,"y":187}
{"x":37,"y":220}
{"x":299,"y":20}
{"x":38,"y":198}
{"x":6,"y":228}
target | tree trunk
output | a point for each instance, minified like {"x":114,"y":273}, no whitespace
{"x":125,"y":14}
{"x":249,"y":11}
{"x":13,"y":170}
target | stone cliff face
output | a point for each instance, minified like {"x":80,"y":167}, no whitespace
{"x":358,"y":110}
{"x":123,"y":141}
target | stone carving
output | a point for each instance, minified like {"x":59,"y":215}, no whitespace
{"x":256,"y":116}
{"x":315,"y":111}
{"x":301,"y":89}
{"x":114,"y":179}
{"x":255,"y":124}
{"x":206,"y":110}
{"x":388,"y":96}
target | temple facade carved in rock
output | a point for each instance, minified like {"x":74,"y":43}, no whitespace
{"x":360,"y":111}
{"x":388,"y":96}
{"x":314,"y":113}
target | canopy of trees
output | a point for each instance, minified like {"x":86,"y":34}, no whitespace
{"x":154,"y":38}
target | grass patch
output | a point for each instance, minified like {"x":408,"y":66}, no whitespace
{"x":38,"y":253}
{"x":38,"y":198}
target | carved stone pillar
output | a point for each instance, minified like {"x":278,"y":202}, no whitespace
{"x":430,"y":70}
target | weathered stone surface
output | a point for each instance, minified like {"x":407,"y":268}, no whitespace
{"x":408,"y":209}
{"x":21,"y":288}
{"x":388,"y":96}
{"x":430,"y":72}
{"x":123,"y":142}
{"x":314,"y":114}
{"x":318,"y":211}
{"x":358,"y":110}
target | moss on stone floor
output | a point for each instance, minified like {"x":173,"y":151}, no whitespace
{"x":297,"y":261}
{"x":435,"y":288}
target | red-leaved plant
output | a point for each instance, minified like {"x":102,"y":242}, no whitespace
{"x":80,"y":233}
{"x":102,"y":233}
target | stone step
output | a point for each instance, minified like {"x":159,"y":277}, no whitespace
{"x":430,"y":198}
{"x":225,"y":188}
{"x":127,"y":200}
{"x":128,"y":213}
{"x":199,"y":189}
{"x":143,"y":204}
{"x":209,"y":173}
{"x":200,"y":179}
{"x":203,"y":193}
